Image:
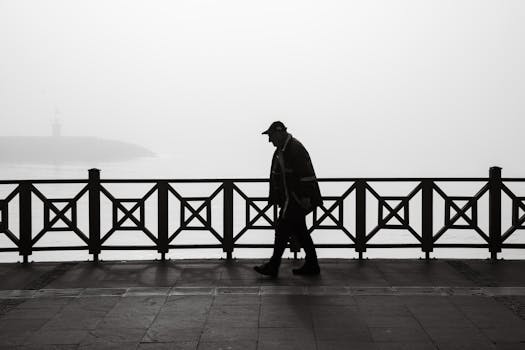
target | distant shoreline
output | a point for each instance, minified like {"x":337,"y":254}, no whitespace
{"x":67,"y":149}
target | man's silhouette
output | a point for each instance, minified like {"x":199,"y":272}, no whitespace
{"x":294,"y":188}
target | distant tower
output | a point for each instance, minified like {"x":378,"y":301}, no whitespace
{"x":56,"y":128}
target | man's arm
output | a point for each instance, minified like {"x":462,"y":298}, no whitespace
{"x":308,"y":194}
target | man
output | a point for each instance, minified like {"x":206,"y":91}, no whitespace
{"x":294,"y":188}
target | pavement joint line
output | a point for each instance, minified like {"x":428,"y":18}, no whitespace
{"x":262,"y":291}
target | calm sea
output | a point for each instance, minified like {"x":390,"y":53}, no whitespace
{"x":164,"y":166}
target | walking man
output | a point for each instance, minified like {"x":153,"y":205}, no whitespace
{"x":294,"y":188}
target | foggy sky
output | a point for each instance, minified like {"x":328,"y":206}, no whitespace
{"x":371,"y":87}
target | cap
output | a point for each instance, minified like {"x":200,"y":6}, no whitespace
{"x":276,"y":126}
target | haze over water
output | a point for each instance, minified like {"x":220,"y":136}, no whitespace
{"x":372,"y":88}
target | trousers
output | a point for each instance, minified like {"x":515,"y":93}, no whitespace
{"x":293,"y":223}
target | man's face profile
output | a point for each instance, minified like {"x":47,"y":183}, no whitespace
{"x":273,"y":137}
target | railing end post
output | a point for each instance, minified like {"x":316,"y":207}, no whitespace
{"x":94,"y":212}
{"x":427,"y":217}
{"x":360,"y":217}
{"x":162,"y":219}
{"x":25,"y":220}
{"x":228,"y":243}
{"x":495,"y":186}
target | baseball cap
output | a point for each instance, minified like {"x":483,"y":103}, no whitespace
{"x":276,"y":126}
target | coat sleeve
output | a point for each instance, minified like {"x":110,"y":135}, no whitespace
{"x":307,"y":181}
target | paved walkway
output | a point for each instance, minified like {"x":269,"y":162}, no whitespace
{"x":215,"y":304}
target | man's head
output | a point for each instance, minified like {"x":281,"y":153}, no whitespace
{"x":276,"y":133}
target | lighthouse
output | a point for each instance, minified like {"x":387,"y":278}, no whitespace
{"x":56,"y":128}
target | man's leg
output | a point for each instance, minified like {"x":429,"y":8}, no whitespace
{"x":282,"y":234}
{"x":300,"y":231}
{"x":304,"y":238}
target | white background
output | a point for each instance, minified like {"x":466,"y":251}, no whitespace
{"x":372,"y":88}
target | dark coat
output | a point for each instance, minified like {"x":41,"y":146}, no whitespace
{"x":299,"y":179}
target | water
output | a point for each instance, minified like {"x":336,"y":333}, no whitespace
{"x":165,"y":166}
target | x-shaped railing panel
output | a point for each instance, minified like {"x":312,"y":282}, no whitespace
{"x":60,"y":214}
{"x":195,"y":213}
{"x":128,"y":214}
{"x":251,"y":204}
{"x":461,"y":213}
{"x":338,"y":222}
{"x":393,"y":212}
{"x":261,"y":213}
{"x":327,"y":212}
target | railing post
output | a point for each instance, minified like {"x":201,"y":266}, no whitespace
{"x":227,"y":245}
{"x":495,"y":186}
{"x":25,"y":220}
{"x":94,"y":213}
{"x":162,"y":244}
{"x":360,"y":217}
{"x":427,"y":217}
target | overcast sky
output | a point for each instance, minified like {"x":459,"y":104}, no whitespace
{"x":371,"y":87}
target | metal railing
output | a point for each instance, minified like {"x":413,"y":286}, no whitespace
{"x":427,"y":236}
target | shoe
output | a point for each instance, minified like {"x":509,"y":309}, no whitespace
{"x":307,"y":270}
{"x":267,"y":270}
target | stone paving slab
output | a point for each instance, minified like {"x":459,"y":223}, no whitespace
{"x":316,"y":322}
{"x":352,"y":305}
{"x":239,"y":273}
{"x":274,"y":290}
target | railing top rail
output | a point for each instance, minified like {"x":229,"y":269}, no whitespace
{"x":43,"y":181}
{"x":256,"y":180}
{"x":210,"y":180}
{"x":406,"y":179}
{"x":327,"y":179}
{"x":513,"y":179}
